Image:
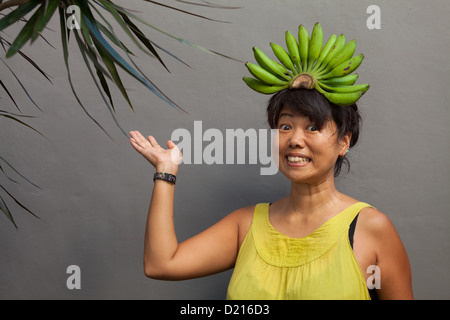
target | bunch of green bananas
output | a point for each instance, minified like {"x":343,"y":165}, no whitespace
{"x":306,"y":64}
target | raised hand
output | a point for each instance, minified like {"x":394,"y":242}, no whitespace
{"x":164,"y":160}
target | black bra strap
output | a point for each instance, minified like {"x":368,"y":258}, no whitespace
{"x":351,"y":230}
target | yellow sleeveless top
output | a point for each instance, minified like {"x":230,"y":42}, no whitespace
{"x":271,"y":265}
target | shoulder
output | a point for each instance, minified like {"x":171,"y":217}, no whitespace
{"x":379,"y":230}
{"x":243,"y":218}
{"x":391,"y":256}
{"x":374,"y":221}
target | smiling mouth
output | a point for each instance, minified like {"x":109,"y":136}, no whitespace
{"x":298,"y":159}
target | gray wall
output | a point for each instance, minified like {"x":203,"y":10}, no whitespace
{"x":95,"y":191}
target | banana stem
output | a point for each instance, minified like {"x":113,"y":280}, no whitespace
{"x":305,"y":81}
{"x":12,"y":3}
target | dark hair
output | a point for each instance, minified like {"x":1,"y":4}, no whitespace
{"x":312,"y":104}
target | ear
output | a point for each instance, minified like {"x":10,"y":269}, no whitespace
{"x":344,"y":143}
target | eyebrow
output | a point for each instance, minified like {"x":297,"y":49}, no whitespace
{"x":285,"y":114}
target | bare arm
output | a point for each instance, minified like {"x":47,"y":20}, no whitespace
{"x":211,"y":251}
{"x":391,"y":256}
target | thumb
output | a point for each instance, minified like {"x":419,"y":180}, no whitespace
{"x":175,"y":154}
{"x":171,"y":144}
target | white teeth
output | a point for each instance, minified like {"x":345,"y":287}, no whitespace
{"x":298,"y":159}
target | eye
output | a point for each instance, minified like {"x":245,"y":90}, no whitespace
{"x":312,"y":128}
{"x":285,"y":127}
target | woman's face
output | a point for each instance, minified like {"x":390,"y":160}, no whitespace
{"x":307,"y":154}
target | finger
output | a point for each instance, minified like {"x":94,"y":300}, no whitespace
{"x":153,"y":141}
{"x":139,"y":138}
{"x":135,"y":145}
{"x":171,"y":144}
{"x":136,"y":135}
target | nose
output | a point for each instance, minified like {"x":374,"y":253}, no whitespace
{"x":297,"y":139}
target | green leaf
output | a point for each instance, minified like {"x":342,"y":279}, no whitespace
{"x":34,"y":64}
{"x":142,"y":38}
{"x":113,"y":38}
{"x":120,"y":21}
{"x":170,"y":54}
{"x":62,"y":22}
{"x":20,"y":204}
{"x":209,"y":5}
{"x":109,"y":32}
{"x":17,"y":115}
{"x":114,"y":74}
{"x":186,"y":12}
{"x":129,"y":14}
{"x":9,"y":178}
{"x":26,"y":33}
{"x":5,"y":209}
{"x":23,"y":123}
{"x":108,"y":63}
{"x":97,"y":37}
{"x":88,"y":50}
{"x":18,"y":13}
{"x":20,"y":83}
{"x":92,"y":75}
{"x":9,"y":94}
{"x":105,"y":87}
{"x":50,"y":8}
{"x":18,"y":172}
{"x":101,"y":72}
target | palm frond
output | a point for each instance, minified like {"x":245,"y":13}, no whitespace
{"x":208,"y":4}
{"x":103,"y":52}
{"x":3,"y":206}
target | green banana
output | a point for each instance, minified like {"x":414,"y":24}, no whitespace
{"x":309,"y":64}
{"x":340,"y":99}
{"x":338,"y":45}
{"x":326,"y":49}
{"x":273,"y":67}
{"x":283,"y":57}
{"x":292,"y":47}
{"x":347,"y":80}
{"x":344,"y":68}
{"x":262,"y":87}
{"x":345,"y":89}
{"x":264,"y":75}
{"x":315,"y":45}
{"x":303,"y":46}
{"x":342,"y":56}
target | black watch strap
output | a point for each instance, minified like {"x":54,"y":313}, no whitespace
{"x":165,"y":176}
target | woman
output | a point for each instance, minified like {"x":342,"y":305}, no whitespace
{"x":304,"y":246}
{"x":316,"y":243}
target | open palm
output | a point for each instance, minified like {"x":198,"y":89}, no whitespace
{"x":164,"y":160}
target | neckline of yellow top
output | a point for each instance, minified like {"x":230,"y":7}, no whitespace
{"x":278,"y":249}
{"x":330,"y":220}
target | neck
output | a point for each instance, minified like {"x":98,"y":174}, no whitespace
{"x":308,"y":199}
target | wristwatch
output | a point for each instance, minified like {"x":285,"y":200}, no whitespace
{"x":165,"y":176}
